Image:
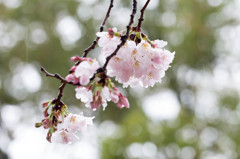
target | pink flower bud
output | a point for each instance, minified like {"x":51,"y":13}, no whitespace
{"x":70,"y":77}
{"x":76,"y":80}
{"x":97,"y":101}
{"x":45,"y":113}
{"x":46,"y":123}
{"x":114,"y":97}
{"x":73,"y":68}
{"x":76,"y":58}
{"x":123,"y":102}
{"x":45,"y":104}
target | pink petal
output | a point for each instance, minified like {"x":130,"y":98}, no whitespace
{"x":70,"y":77}
{"x":84,"y":80}
{"x":76,"y":58}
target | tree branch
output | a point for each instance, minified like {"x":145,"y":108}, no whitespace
{"x":140,"y":20}
{"x":57,"y":76}
{"x":124,"y":37}
{"x":54,"y":75}
{"x":87,"y":50}
{"x":60,"y":93}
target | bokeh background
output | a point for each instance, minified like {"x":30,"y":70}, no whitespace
{"x":193,"y":113}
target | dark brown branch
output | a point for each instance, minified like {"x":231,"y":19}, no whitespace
{"x":54,"y":75}
{"x":57,"y":76}
{"x":124,"y":37}
{"x":86,"y":51}
{"x":60,"y":93}
{"x":140,"y":20}
{"x":58,"y":101}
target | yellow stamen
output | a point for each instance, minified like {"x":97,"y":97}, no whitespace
{"x":145,"y":45}
{"x":116,"y":59}
{"x":136,"y":64}
{"x":150,"y":75}
{"x":134,"y":52}
{"x":73,"y":119}
{"x":63,"y":134}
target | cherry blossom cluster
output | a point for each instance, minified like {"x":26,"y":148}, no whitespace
{"x":139,"y":62}
{"x":68,"y":130}
{"x":100,"y":90}
{"x":130,"y":56}
{"x":98,"y":93}
{"x":62,"y":126}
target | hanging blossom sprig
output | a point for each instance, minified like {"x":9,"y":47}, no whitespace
{"x":131,"y":57}
{"x":64,"y":129}
{"x":100,"y":90}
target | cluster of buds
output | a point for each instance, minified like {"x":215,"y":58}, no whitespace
{"x":54,"y":113}
{"x":99,"y":91}
{"x":139,"y":61}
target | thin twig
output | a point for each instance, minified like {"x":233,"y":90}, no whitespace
{"x":57,"y":76}
{"x":86,"y":51}
{"x":54,"y":75}
{"x":124,"y":37}
{"x":140,"y":20}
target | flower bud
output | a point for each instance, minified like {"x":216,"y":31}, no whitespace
{"x":45,"y":104}
{"x":37,"y":125}
{"x":76,"y":58}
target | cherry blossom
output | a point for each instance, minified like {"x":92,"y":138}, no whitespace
{"x":97,"y":95}
{"x":64,"y":137}
{"x":108,"y":41}
{"x":94,"y":100}
{"x":121,"y":65}
{"x":67,"y":130}
{"x":84,"y":94}
{"x":83,"y":71}
{"x":139,"y":61}
{"x":75,"y":122}
{"x":101,"y":97}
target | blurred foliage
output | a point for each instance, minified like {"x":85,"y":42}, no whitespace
{"x":183,"y":23}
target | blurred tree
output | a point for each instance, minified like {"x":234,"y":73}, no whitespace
{"x":47,"y":33}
